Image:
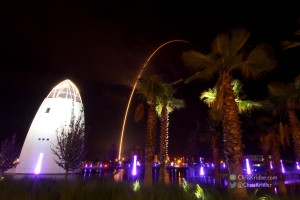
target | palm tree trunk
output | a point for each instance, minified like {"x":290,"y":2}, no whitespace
{"x":277,"y":165}
{"x":295,"y":130}
{"x":266,"y":158}
{"x":216,"y":156}
{"x":150,"y":137}
{"x":232,"y":134}
{"x":163,"y":141}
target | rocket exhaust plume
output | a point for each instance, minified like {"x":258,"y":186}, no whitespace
{"x":134,"y":86}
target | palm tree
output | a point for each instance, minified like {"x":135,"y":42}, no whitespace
{"x":276,"y":142}
{"x":265,"y":144}
{"x":166,"y":104}
{"x":209,"y":97}
{"x":285,"y":100}
{"x":262,"y":124}
{"x":214,"y":134}
{"x":227,"y":54}
{"x":150,"y":89}
{"x":272,"y":136}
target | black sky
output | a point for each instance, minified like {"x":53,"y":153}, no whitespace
{"x":101,"y":46}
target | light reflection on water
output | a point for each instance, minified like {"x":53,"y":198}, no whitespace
{"x":172,"y":176}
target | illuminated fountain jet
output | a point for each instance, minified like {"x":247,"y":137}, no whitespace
{"x":59,"y":108}
{"x":248,"y":166}
{"x":134,"y":165}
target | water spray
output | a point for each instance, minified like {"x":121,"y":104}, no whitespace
{"x":135,"y":85}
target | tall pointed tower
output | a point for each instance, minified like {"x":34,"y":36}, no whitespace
{"x":57,"y":110}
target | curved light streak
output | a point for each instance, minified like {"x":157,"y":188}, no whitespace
{"x":134,"y":87}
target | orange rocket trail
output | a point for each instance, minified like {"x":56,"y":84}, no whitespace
{"x":134,"y":86}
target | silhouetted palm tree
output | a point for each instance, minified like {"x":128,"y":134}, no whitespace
{"x":209,"y":97}
{"x":227,"y":54}
{"x":150,"y":89}
{"x":285,"y":100}
{"x":166,"y":103}
{"x":272,"y":137}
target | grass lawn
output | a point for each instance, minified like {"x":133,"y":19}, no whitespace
{"x":42,"y":188}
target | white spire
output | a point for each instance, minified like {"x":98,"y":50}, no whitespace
{"x":67,"y":90}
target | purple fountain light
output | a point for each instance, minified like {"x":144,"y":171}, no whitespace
{"x":282,"y":167}
{"x":39,"y":164}
{"x":201,"y":171}
{"x":134,"y":165}
{"x":271,"y":166}
{"x":248,"y":166}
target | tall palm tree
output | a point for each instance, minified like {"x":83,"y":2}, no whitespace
{"x":214,"y":134}
{"x":262,"y":125}
{"x":265,"y":144}
{"x":227,"y":54}
{"x":166,"y":104}
{"x":210,"y":98}
{"x":150,"y":89}
{"x":272,"y":137}
{"x":276,"y":142}
{"x":285,"y":100}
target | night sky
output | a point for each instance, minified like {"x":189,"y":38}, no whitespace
{"x":101,"y":47}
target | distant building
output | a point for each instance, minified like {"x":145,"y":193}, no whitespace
{"x":57,"y":110}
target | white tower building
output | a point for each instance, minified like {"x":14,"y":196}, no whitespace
{"x":56,"y":111}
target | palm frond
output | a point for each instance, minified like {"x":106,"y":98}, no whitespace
{"x":276,"y":89}
{"x":259,"y":61}
{"x":158,"y":109}
{"x":176,"y":103}
{"x":247,"y":105}
{"x":237,"y":88}
{"x":288,"y":44}
{"x":220,"y":45}
{"x":195,"y":60}
{"x":238,"y":39}
{"x":192,"y":78}
{"x":209,"y":96}
{"x":139,"y":112}
{"x":176,"y":82}
{"x":297,"y":82}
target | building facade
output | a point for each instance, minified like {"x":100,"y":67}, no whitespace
{"x":62,"y":105}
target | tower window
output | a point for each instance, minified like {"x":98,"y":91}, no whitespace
{"x":47,"y":139}
{"x":47,"y":110}
{"x":39,"y":138}
{"x":43,"y":139}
